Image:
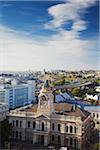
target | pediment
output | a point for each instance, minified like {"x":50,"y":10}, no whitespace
{"x":42,"y":116}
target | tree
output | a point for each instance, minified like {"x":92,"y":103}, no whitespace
{"x":5,"y":131}
{"x":97,"y":146}
{"x":90,"y":91}
{"x":75,"y":91}
{"x":60,"y":81}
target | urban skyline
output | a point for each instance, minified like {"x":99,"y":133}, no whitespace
{"x":49,"y":34}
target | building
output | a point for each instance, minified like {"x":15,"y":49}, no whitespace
{"x":17,"y":94}
{"x":95,"y":114}
{"x":49,"y":123}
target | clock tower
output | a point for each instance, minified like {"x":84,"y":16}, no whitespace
{"x":45,"y":100}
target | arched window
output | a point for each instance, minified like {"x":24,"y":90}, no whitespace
{"x":75,"y":142}
{"x":58,"y":127}
{"x":28,"y":124}
{"x":93,"y":124}
{"x":59,"y":139}
{"x":66,"y":141}
{"x":13,"y":133}
{"x":13,"y":123}
{"x":66,"y":128}
{"x":16,"y":123}
{"x":53,"y":126}
{"x":20,"y":135}
{"x":93,"y":114}
{"x":53,"y":138}
{"x":16,"y":134}
{"x":71,"y":141}
{"x":71,"y":129}
{"x":42,"y":126}
{"x":75,"y":129}
{"x":97,"y":115}
{"x":34,"y":124}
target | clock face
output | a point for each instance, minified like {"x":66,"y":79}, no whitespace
{"x":43,"y":100}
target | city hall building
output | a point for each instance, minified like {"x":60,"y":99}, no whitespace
{"x":49,"y":123}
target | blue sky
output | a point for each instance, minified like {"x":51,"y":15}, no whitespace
{"x":49,"y":34}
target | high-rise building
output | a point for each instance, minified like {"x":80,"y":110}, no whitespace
{"x":16,"y":95}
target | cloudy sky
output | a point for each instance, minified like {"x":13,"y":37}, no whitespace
{"x":61,"y":34}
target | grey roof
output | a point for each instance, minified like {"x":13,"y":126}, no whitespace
{"x":92,"y":108}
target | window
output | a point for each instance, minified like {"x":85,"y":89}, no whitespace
{"x":71,"y":141}
{"x":13,"y":134}
{"x":13,"y":123}
{"x":59,"y":140}
{"x":16,"y":123}
{"x":97,"y":115}
{"x":75,"y":129}
{"x":34,"y":124}
{"x":53,"y":126}
{"x":93,"y":124}
{"x":71,"y":129}
{"x":20,"y":124}
{"x":58,"y":127}
{"x":28,"y":124}
{"x":66,"y":141}
{"x":53,"y":137}
{"x":93,"y":114}
{"x":20,"y":135}
{"x":66,"y":128}
{"x":16,"y":134}
{"x":42,"y":126}
{"x":75,"y":142}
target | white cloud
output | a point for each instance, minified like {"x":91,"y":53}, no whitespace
{"x":79,"y":25}
{"x":61,"y":51}
{"x":70,"y":10}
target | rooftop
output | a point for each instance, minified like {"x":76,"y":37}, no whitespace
{"x":92,"y":108}
{"x":62,"y":108}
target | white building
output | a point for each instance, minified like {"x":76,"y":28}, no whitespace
{"x":49,"y":123}
{"x":16,"y":95}
{"x":95,"y":97}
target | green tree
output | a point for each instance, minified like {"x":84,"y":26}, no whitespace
{"x":90,"y":91}
{"x":97,"y":146}
{"x":60,"y":81}
{"x":5,"y":131}
{"x":76,"y":91}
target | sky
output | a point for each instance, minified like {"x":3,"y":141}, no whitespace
{"x":60,"y":34}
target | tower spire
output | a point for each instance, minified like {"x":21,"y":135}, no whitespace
{"x":46,"y":84}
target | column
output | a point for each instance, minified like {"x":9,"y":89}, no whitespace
{"x":68,"y":129}
{"x":62,"y":140}
{"x":45,"y":140}
{"x":79,"y":144}
{"x":23,"y":135}
{"x":34,"y":139}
